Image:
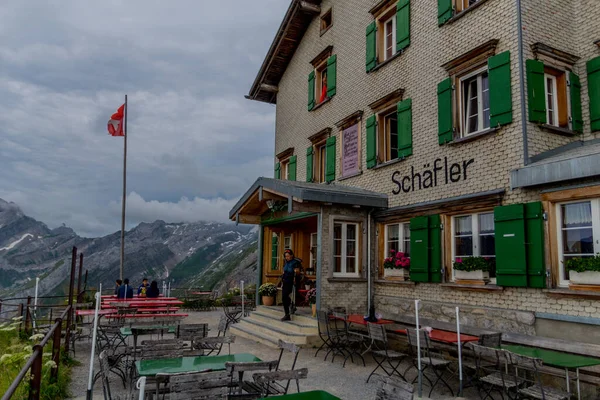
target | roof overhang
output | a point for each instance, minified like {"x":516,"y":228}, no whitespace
{"x":573,"y":162}
{"x":297,"y":19}
{"x":265,"y":192}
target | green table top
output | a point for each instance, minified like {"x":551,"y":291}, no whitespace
{"x":553,"y":358}
{"x":128,"y":331}
{"x":313,"y":395}
{"x":190,"y":364}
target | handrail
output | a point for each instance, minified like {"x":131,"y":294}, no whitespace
{"x":34,"y":391}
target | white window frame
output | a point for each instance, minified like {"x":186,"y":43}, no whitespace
{"x":286,"y":237}
{"x":343,"y":272}
{"x":595,"y":203}
{"x":384,"y":23}
{"x":475,"y":233}
{"x":554,"y":110}
{"x":284,"y":168}
{"x":465,"y":4}
{"x":401,"y":238}
{"x":463,"y":112}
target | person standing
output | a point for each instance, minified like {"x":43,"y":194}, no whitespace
{"x":118,"y":285}
{"x":125,"y":291}
{"x":289,"y":268}
{"x":143,"y":288}
{"x":153,"y":291}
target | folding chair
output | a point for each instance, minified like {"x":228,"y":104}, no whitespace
{"x":384,"y":354}
{"x":429,"y":360}
{"x":187,"y":333}
{"x":212,"y":345}
{"x":331,"y":338}
{"x":348,"y":341}
{"x":533,"y":386}
{"x":266,"y":380}
{"x":103,"y":374}
{"x":490,"y":374}
{"x":392,"y":388}
{"x":241,"y":367}
{"x":197,"y":385}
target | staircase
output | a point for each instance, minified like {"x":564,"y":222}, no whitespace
{"x":265,"y":326}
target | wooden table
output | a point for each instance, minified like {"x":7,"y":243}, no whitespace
{"x":556,"y":359}
{"x":190,"y":364}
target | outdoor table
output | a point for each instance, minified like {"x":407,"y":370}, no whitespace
{"x":360,"y":320}
{"x":556,"y":359}
{"x":312,"y":395}
{"x":146,"y":303}
{"x":143,"y":316}
{"x":81,"y":313}
{"x":190,"y":364}
{"x":445,"y":336}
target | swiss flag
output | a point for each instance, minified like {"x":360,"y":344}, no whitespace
{"x":115,"y":123}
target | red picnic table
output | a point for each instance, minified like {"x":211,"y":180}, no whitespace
{"x":359,"y":319}
{"x":445,"y":336}
{"x":81,"y":313}
{"x":145,"y":316}
{"x":139,"y":304}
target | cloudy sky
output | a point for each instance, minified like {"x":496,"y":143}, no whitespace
{"x":195,"y":144}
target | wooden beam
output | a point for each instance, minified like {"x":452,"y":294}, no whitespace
{"x":309,"y":8}
{"x":269,"y":88}
{"x":248,"y":219}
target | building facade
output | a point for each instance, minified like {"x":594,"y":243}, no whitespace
{"x":464,"y":134}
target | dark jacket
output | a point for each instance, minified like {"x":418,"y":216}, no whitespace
{"x":288,"y":271}
{"x":152,"y":292}
{"x":122,"y":295}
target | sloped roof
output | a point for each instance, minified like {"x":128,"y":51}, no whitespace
{"x":297,"y":18}
{"x":316,"y":192}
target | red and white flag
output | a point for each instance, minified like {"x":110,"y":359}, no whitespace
{"x":115,"y":123}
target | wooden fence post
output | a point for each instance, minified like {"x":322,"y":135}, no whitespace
{"x":20,"y":315}
{"x":71,"y":288}
{"x":28,"y":316}
{"x":56,"y":348}
{"x":79,"y":296}
{"x":35,"y":378}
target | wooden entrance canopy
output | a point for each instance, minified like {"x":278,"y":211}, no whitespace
{"x":280,"y":195}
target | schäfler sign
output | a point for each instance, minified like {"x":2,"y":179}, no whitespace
{"x":443,"y":172}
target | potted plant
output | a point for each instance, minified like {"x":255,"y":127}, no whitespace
{"x":472,"y":270}
{"x":396,"y":266}
{"x":307,"y":284}
{"x":584,"y":271}
{"x":268,"y":292}
{"x":311,"y":298}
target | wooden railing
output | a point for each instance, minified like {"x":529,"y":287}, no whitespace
{"x":34,"y":363}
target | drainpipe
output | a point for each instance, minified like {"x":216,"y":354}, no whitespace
{"x":522,"y":84}
{"x":369,"y":261}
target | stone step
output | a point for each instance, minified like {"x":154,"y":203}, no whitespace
{"x":271,"y":338}
{"x":302,"y":316}
{"x":292,"y":326}
{"x":279,"y":332}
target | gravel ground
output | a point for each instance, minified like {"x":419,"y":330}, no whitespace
{"x":347,"y":383}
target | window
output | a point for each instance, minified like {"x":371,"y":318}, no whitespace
{"x":388,"y":136}
{"x":285,"y":169}
{"x":462,"y":5}
{"x":322,"y":80}
{"x":397,"y":238}
{"x":321,"y":163}
{"x":345,"y":249}
{"x":274,"y":251}
{"x":321,"y":84}
{"x":474,"y":100}
{"x":551,"y":103}
{"x":555,"y":86}
{"x":473,"y":236}
{"x":389,"y":37}
{"x":326,"y":21}
{"x":389,"y":32}
{"x":287,"y":242}
{"x":578,"y":224}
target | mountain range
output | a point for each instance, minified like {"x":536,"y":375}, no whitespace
{"x":206,"y":255}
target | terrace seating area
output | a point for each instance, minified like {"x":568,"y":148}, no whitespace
{"x":200,"y":357}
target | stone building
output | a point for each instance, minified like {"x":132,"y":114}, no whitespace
{"x":458,"y":132}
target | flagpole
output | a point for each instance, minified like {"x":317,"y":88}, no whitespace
{"x":124,"y":188}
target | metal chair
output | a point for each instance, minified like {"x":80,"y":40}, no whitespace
{"x":187,"y":333}
{"x":266,"y":380}
{"x":210,"y":345}
{"x":490,"y":374}
{"x":384,"y":354}
{"x":429,"y":360}
{"x":330,"y":337}
{"x":103,"y":374}
{"x":532,"y":386}
{"x":350,"y":342}
{"x":392,"y":388}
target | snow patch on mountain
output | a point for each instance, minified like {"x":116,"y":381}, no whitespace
{"x":16,"y":242}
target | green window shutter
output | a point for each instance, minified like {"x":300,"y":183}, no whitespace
{"x":371,"y":46}
{"x":292,"y":168}
{"x":445,"y":126}
{"x":310,"y":152}
{"x":274,"y":252}
{"x":330,"y":156}
{"x":371,"y":141}
{"x":278,"y":171}
{"x":402,"y":24}
{"x":593,"y":72}
{"x":404,"y":116}
{"x":500,"y":89}
{"x":311,"y":90}
{"x":445,"y":11}
{"x":534,"y":245}
{"x":331,"y":75}
{"x":435,"y":248}
{"x":419,"y":249}
{"x":511,"y":255}
{"x":575,"y":98}
{"x":536,"y":92}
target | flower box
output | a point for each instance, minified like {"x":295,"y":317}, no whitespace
{"x":396,"y":273}
{"x":586,"y":280}
{"x":477,"y":277}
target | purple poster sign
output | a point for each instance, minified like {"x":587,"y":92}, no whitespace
{"x":350,"y":150}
